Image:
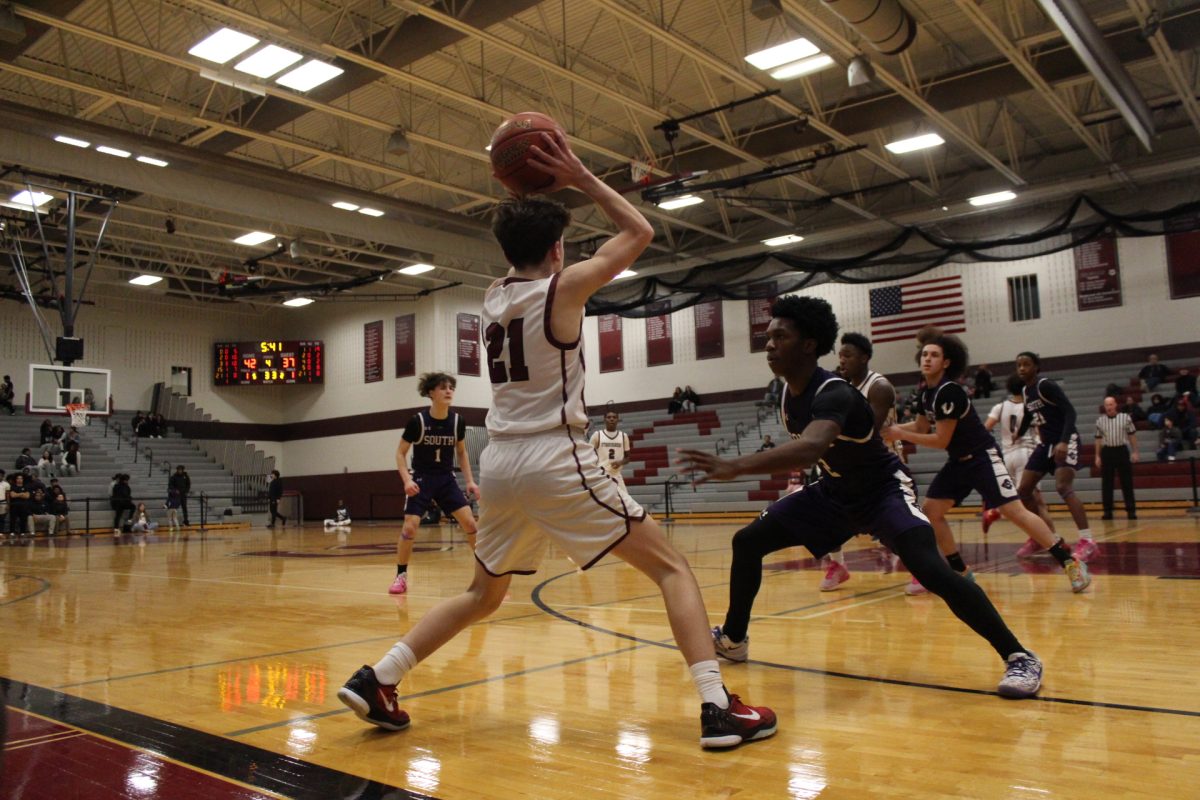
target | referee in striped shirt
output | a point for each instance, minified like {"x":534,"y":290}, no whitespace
{"x":1115,"y":440}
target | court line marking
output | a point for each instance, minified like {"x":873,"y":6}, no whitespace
{"x":45,"y":586}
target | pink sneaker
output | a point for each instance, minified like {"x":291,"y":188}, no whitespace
{"x":990,"y":515}
{"x":1085,"y":550}
{"x":1029,"y":548}
{"x":400,"y":585}
{"x":835,"y":576}
{"x":915,"y":588}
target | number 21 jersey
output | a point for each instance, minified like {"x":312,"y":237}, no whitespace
{"x":537,"y":380}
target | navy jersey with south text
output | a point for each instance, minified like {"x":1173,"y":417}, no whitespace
{"x":1047,"y":407}
{"x":858,"y":462}
{"x":433,"y":441}
{"x":948,"y":400}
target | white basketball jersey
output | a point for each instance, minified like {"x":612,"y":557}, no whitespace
{"x":611,"y":448}
{"x":870,"y":380}
{"x":537,"y":381}
{"x":1008,"y":416}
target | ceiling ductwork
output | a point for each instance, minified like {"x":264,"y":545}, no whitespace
{"x":886,"y":24}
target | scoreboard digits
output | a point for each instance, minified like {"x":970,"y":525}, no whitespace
{"x":266,"y":363}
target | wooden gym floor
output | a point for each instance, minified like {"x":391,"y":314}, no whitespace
{"x":206,"y":666}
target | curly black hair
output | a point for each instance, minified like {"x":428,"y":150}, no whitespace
{"x":432,"y":380}
{"x":527,"y":228}
{"x":1034,"y":357}
{"x":813,"y":318}
{"x":953,"y":350}
{"x":859,"y":341}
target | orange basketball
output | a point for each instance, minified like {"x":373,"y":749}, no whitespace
{"x":510,"y":151}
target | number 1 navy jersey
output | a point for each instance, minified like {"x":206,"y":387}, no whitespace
{"x":1052,"y":412}
{"x":433,"y":441}
{"x":858,"y":463}
{"x":537,"y":380}
{"x":948,"y":400}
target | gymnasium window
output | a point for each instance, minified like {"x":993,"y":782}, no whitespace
{"x":1023,"y":298}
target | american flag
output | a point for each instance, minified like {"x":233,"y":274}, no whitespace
{"x":898,"y":312}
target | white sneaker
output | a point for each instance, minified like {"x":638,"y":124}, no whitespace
{"x":729,"y":649}
{"x":1022,"y":677}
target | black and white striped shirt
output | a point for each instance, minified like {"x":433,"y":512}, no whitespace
{"x":1114,"y":431}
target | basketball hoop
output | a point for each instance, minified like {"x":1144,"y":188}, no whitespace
{"x":79,"y":415}
{"x":640,"y":168}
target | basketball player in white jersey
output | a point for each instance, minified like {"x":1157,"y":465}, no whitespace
{"x":612,"y":447}
{"x":541,"y":481}
{"x":854,"y":359}
{"x":1007,"y":415}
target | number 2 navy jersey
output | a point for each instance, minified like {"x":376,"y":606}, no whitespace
{"x":1052,"y":412}
{"x":948,"y":400}
{"x":433,"y":441}
{"x":858,"y":463}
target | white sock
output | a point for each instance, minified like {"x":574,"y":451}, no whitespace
{"x":707,"y":677}
{"x":838,"y":556}
{"x":395,"y":664}
{"x":1085,"y":533}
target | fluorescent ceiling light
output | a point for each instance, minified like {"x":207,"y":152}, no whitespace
{"x":624,"y":274}
{"x":309,"y":76}
{"x":416,"y":269}
{"x":784,"y":53}
{"x":298,"y":302}
{"x":921,"y":142}
{"x":487,"y":148}
{"x":993,"y":198}
{"x":680,"y":202}
{"x":254,"y":237}
{"x":28,"y":201}
{"x":370,"y":212}
{"x":72,"y":141}
{"x":154,"y":162}
{"x":266,"y":62}
{"x":113,"y":151}
{"x":145,"y":280}
{"x":223,"y":45}
{"x":780,"y":241}
{"x":344,"y":206}
{"x":806,"y":66}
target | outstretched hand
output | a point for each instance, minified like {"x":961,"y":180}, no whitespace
{"x":554,"y":156}
{"x":717,"y":469}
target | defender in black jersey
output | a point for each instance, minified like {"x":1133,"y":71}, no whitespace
{"x":1047,"y":407}
{"x":974,"y":463}
{"x":863,"y":488}
{"x":434,"y":436}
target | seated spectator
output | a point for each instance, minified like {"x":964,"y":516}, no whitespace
{"x":1185,"y":385}
{"x":1170,"y":441}
{"x":26,"y":459}
{"x":18,"y":506}
{"x":1153,"y":373}
{"x":32,"y":481}
{"x":45,"y":433}
{"x":690,"y":399}
{"x":341,"y":517}
{"x":1131,"y":407}
{"x":71,"y":436}
{"x":160,"y":426}
{"x":1158,"y":410}
{"x":907,"y":414}
{"x":141,"y":520}
{"x":145,"y":427}
{"x":1182,"y":417}
{"x":676,"y":403}
{"x":61,"y":512}
{"x":70,"y":460}
{"x":983,"y":381}
{"x":774,"y":392}
{"x":45,"y":465}
{"x":40,"y":513}
{"x":767,"y":444}
{"x":7,"y":395}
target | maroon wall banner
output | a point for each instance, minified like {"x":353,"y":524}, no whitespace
{"x":658,"y":336}
{"x":612,"y":358}
{"x":710,"y":330}
{"x":373,"y":352}
{"x":759,"y":305}
{"x":406,"y":346}
{"x":1183,"y":257}
{"x":1097,"y":274}
{"x":468,"y":344}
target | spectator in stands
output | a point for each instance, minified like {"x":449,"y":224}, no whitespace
{"x":24,"y":460}
{"x":774,"y":392}
{"x":61,"y":512}
{"x":174,"y":501}
{"x":1130,"y":406}
{"x":45,"y":433}
{"x":7,"y":395}
{"x":122,"y":502}
{"x":1185,"y":385}
{"x":274,"y":495}
{"x":40,"y":513}
{"x":4,"y":487}
{"x":70,"y":459}
{"x":135,"y":424}
{"x":1184,"y":419}
{"x":1157,"y":411}
{"x":907,"y":414}
{"x":983,"y":381}
{"x":71,"y":436}
{"x":1153,"y":373}
{"x":160,"y":426}
{"x":45,"y":465}
{"x":676,"y":403}
{"x":32,"y":481}
{"x":18,"y":506}
{"x":767,"y":444}
{"x":690,"y":399}
{"x":341,"y":516}
{"x":182,"y":483}
{"x":1170,"y":441}
{"x":89,"y":398}
{"x":141,"y":520}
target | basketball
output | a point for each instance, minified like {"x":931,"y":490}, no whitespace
{"x":510,"y":151}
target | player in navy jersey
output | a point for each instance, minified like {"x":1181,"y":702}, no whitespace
{"x":435,"y":436}
{"x":863,"y":489}
{"x":973,"y":463}
{"x":1047,"y":407}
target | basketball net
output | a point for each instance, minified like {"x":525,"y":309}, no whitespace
{"x":79,"y":415}
{"x":640,"y":168}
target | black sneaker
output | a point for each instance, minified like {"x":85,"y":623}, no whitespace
{"x":373,"y":701}
{"x":729,"y":727}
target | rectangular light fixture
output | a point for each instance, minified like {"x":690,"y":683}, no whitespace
{"x":992,"y":199}
{"x":268,"y":61}
{"x":223,"y":45}
{"x":309,"y":75}
{"x":254,"y":237}
{"x":72,"y":141}
{"x":28,"y":201}
{"x":230,"y":80}
{"x":113,"y":151}
{"x":624,"y":274}
{"x":370,"y":212}
{"x":805,"y":66}
{"x":680,"y":202}
{"x":298,"y":302}
{"x":154,"y":162}
{"x":922,"y":142}
{"x":416,"y":269}
{"x":780,"y":241}
{"x":145,"y":280}
{"x":344,"y":206}
{"x":784,"y":53}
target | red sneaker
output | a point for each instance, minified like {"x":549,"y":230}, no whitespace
{"x":990,"y":515}
{"x":729,"y":727}
{"x":835,"y":576}
{"x":1028,"y":549}
{"x":372,"y":701}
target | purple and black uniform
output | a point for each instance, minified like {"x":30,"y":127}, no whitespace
{"x":974,"y":461}
{"x":433,"y":443}
{"x":1047,"y":407}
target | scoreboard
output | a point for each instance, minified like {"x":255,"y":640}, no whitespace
{"x":268,"y":362}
